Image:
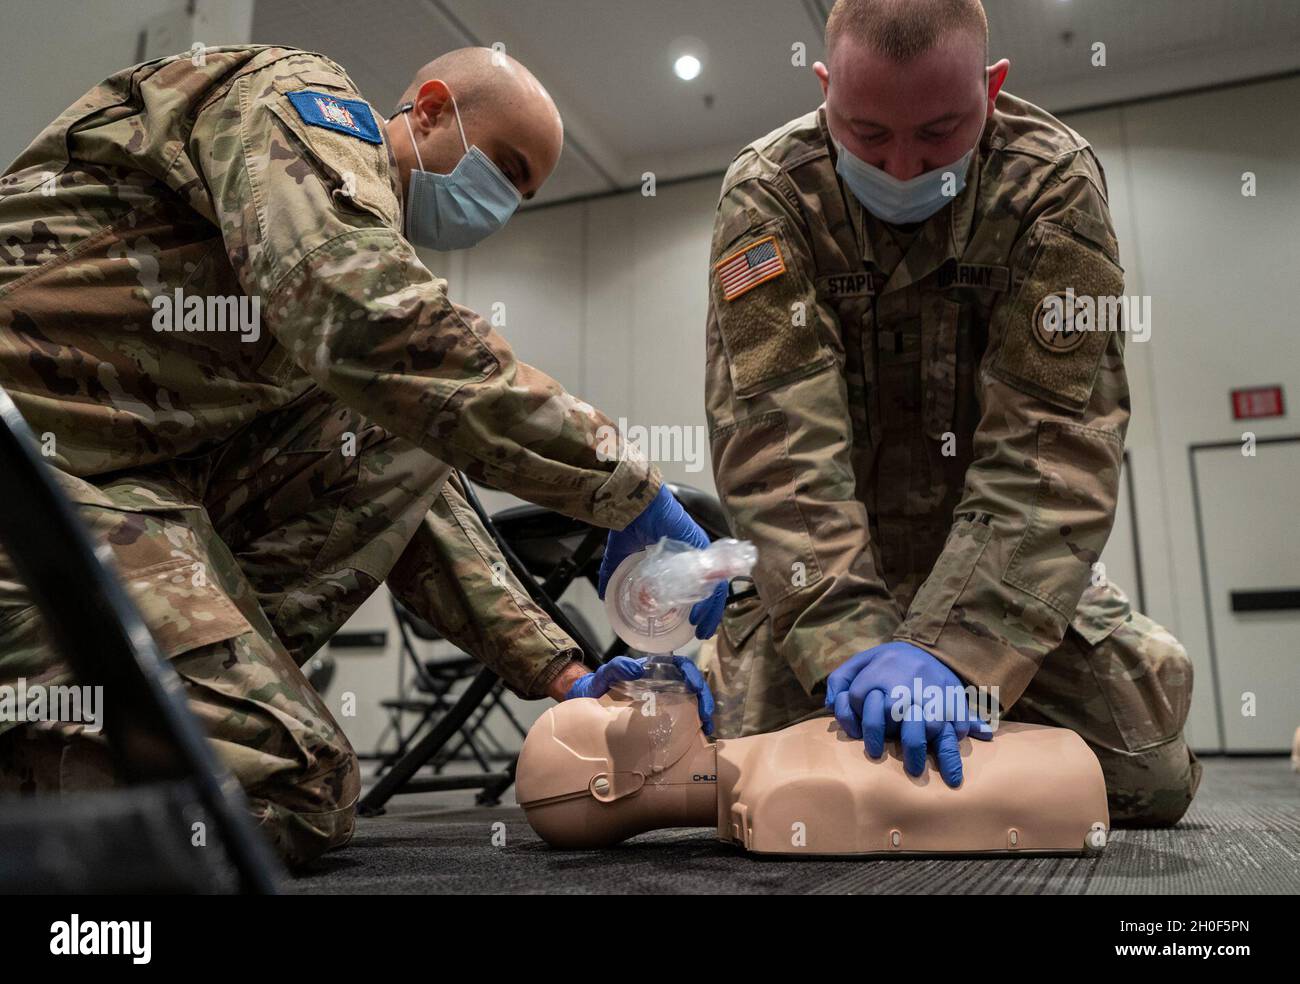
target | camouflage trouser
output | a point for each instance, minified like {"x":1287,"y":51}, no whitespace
{"x":243,"y":562}
{"x":1118,"y":679}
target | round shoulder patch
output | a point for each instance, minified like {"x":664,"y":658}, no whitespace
{"x":1055,"y":325}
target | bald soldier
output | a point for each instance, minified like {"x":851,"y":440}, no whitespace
{"x":917,"y":424}
{"x":212,"y":315}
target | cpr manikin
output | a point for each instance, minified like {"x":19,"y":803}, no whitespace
{"x":595,"y":772}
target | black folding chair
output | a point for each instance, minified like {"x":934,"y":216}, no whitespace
{"x":138,"y":838}
{"x":547,"y":552}
{"x":430,"y":695}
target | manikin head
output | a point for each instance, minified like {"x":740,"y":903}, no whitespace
{"x":595,"y":772}
{"x":906,"y":84}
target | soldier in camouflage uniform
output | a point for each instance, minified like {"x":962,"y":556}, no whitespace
{"x":253,"y":488}
{"x":917,"y":457}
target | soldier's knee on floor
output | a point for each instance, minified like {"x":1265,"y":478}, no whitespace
{"x":1153,"y":787}
{"x":341,"y":790}
{"x":310,"y":814}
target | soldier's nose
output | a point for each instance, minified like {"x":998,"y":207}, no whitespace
{"x":902,"y":169}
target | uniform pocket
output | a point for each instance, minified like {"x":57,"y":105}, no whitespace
{"x":1058,"y":326}
{"x":766,"y":311}
{"x":1078,"y":472}
{"x":1145,"y":677}
{"x":183,"y":608}
{"x":1102,"y":609}
{"x":173,"y":589}
{"x":354,"y":171}
{"x":160,"y":559}
{"x":741,"y":618}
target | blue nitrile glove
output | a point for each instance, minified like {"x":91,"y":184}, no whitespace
{"x":664,"y":517}
{"x":703,"y":695}
{"x":861,"y":692}
{"x":597,"y":684}
{"x":621,"y":668}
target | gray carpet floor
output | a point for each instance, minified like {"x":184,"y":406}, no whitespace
{"x":1242,"y":835}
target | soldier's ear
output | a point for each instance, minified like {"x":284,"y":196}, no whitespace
{"x":431,"y":101}
{"x":823,"y":76}
{"x":997,"y":75}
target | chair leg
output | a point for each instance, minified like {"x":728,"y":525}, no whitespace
{"x":406,"y":741}
{"x":491,"y":744}
{"x":451,"y":753}
{"x":427,"y":747}
{"x":504,"y":708}
{"x":491,"y":794}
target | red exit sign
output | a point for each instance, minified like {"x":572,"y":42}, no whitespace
{"x":1258,"y":401}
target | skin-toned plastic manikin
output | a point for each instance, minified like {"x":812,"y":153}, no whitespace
{"x":594,"y":772}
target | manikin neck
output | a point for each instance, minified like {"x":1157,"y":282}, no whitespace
{"x":699,"y":808}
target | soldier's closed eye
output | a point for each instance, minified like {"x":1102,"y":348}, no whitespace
{"x":937,"y":135}
{"x":940,"y":128}
{"x":515,"y":167}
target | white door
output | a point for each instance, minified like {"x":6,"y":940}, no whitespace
{"x":1251,"y":572}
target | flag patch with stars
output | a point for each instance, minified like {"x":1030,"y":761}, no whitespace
{"x":350,"y":116}
{"x":757,"y":263}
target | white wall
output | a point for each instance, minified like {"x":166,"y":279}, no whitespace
{"x":1217,"y":266}
{"x":609,"y":296}
{"x":67,"y":47}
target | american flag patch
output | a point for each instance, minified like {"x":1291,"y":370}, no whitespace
{"x":755,"y":264}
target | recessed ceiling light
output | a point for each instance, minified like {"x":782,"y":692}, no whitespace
{"x":686,"y":67}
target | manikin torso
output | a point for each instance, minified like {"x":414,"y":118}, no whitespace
{"x":595,"y":772}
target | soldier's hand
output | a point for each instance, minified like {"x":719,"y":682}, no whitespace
{"x":597,"y":684}
{"x":664,"y":517}
{"x":626,"y":668}
{"x":876,"y":695}
{"x":700,"y":688}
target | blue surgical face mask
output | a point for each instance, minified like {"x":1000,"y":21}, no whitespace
{"x":901,"y":202}
{"x":460,"y":209}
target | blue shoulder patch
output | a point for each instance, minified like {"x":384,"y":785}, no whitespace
{"x":350,"y":116}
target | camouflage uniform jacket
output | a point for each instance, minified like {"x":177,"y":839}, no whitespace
{"x":207,"y":180}
{"x":917,"y":454}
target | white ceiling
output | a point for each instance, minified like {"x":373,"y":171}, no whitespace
{"x":608,"y":62}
